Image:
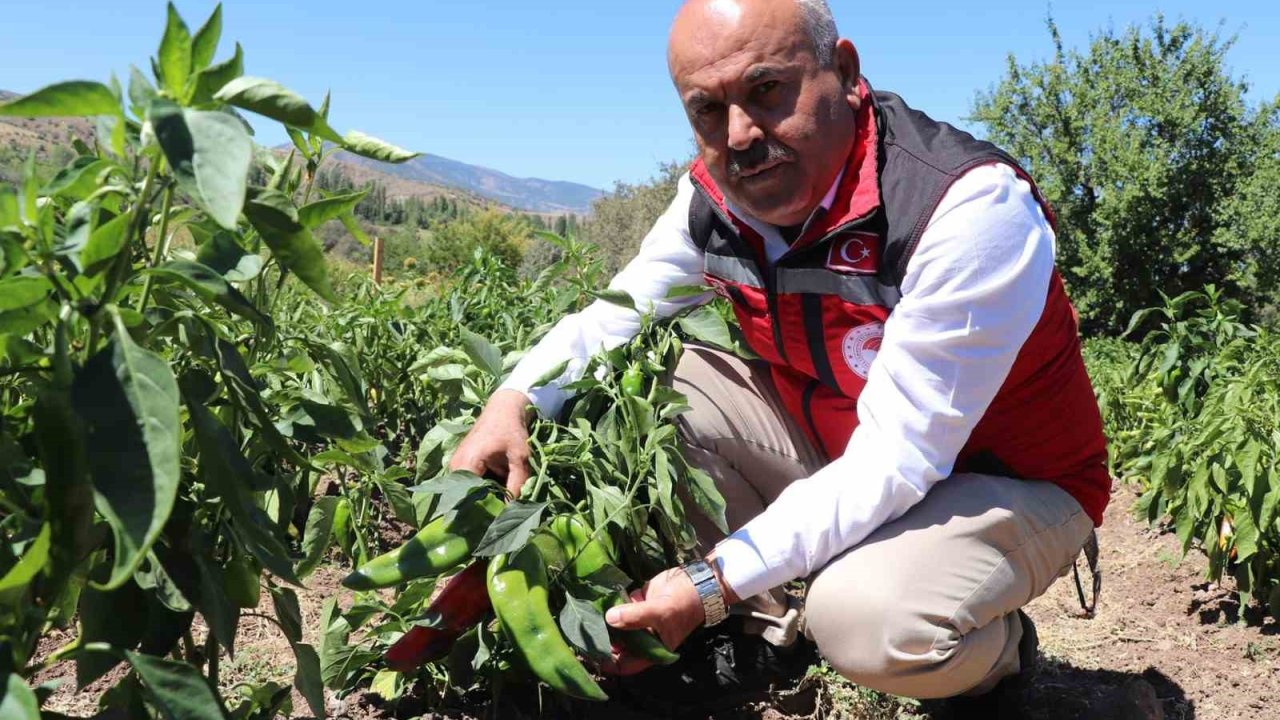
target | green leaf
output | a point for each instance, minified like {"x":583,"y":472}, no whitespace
{"x":156,"y":579}
{"x":243,"y":390}
{"x":307,"y":679}
{"x":215,"y":77}
{"x":386,"y":684}
{"x":483,"y":353}
{"x":551,"y":375}
{"x":681,"y":292}
{"x":1246,"y":538}
{"x":703,"y":491}
{"x":353,"y":226}
{"x":127,"y":398}
{"x":288,"y":612}
{"x":320,"y":212}
{"x":226,"y":473}
{"x":210,"y":154}
{"x":584,"y":627}
{"x":59,"y":444}
{"x":620,"y":298}
{"x":397,"y":496}
{"x":452,"y":489}
{"x":706,"y":326}
{"x":26,"y":319}
{"x":205,"y":43}
{"x":77,"y":180}
{"x":220,"y":613}
{"x":222,"y":253}
{"x":105,"y":243}
{"x":273,"y":100}
{"x":21,"y":292}
{"x":21,"y":574}
{"x":117,"y":618}
{"x":18,"y":702}
{"x":174,"y":57}
{"x":371,"y":147}
{"x":141,"y":91}
{"x":178,"y":689}
{"x":210,"y":286}
{"x":10,"y":215}
{"x":1247,"y":461}
{"x":273,"y":215}
{"x":318,"y":534}
{"x":511,"y":530}
{"x":76,"y":98}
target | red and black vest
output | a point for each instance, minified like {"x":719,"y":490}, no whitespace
{"x":817,"y":314}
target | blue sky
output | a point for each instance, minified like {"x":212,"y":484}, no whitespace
{"x":574,"y":89}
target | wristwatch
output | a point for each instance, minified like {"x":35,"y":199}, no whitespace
{"x":708,"y":587}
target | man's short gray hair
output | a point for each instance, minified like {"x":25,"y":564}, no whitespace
{"x":822,"y":29}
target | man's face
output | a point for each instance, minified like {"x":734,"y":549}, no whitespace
{"x":773,"y":126}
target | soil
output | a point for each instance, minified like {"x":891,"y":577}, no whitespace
{"x":1163,"y":645}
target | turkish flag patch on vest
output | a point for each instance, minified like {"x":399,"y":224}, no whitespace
{"x":857,"y":253}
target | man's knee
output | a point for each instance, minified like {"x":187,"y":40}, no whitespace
{"x":874,"y":637}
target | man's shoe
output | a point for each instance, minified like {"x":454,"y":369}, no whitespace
{"x":1028,"y":646}
{"x":1001,"y":701}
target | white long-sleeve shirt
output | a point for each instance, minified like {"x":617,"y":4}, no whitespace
{"x":974,"y":290}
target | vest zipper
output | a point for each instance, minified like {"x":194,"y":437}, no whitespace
{"x":771,"y":296}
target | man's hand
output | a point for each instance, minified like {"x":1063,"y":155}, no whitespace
{"x":499,"y":443}
{"x":668,"y":605}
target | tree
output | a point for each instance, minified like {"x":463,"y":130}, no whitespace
{"x":621,"y":220}
{"x":1140,"y":144}
{"x":452,"y":245}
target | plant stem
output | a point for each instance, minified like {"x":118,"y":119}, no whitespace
{"x":211,"y":654}
{"x":125,"y":259}
{"x":162,"y":245}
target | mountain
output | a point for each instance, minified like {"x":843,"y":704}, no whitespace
{"x":425,"y":176}
{"x":531,"y":194}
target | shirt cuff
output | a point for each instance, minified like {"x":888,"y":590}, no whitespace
{"x":548,"y":399}
{"x":745,"y":569}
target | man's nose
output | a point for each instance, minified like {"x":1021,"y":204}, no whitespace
{"x":743,"y":130}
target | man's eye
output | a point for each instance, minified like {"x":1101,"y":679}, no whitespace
{"x":706,"y":109}
{"x":765,"y":88}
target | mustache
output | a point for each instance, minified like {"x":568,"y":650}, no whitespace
{"x":761,"y":152}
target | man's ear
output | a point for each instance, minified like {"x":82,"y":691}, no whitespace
{"x":849,"y":68}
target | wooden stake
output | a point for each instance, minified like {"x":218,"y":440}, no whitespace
{"x":377,"y":260}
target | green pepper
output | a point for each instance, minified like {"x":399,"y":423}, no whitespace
{"x":240,"y":578}
{"x":518,"y":591}
{"x":589,"y":554}
{"x":437,"y":548}
{"x":633,"y":381}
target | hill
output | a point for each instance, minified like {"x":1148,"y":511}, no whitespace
{"x":425,"y":177}
{"x":531,"y":194}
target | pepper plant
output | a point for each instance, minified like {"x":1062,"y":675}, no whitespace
{"x":604,"y":509}
{"x":158,"y":428}
{"x":1193,"y":417}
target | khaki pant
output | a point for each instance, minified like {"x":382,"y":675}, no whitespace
{"x":926,"y":606}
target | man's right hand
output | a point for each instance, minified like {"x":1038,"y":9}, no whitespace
{"x":498,"y":445}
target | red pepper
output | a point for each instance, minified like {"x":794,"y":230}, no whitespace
{"x":462,"y":604}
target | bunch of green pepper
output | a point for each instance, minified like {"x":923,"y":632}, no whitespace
{"x":517,"y":587}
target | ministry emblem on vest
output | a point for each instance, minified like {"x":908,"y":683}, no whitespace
{"x":860,"y":347}
{"x":858,"y":253}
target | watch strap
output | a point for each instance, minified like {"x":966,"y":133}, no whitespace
{"x":708,"y":588}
